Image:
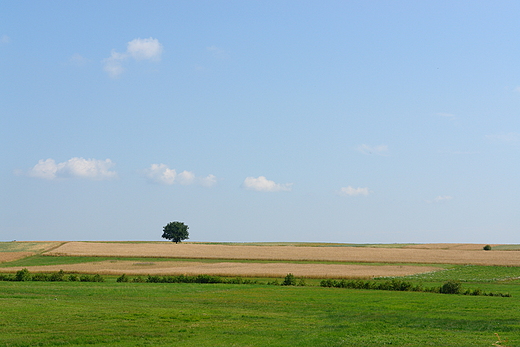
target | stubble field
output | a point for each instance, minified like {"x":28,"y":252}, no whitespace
{"x":304,"y":260}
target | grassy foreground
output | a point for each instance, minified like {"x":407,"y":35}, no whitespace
{"x":150,"y":314}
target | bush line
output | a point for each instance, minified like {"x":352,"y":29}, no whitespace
{"x":450,"y":287}
{"x":60,"y":276}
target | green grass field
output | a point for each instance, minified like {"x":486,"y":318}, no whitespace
{"x":147,"y":314}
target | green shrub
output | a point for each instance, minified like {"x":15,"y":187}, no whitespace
{"x":289,"y":280}
{"x":122,"y":278}
{"x":22,"y":275}
{"x":6,"y":277}
{"x":487,"y":248}
{"x":97,"y":278}
{"x":450,"y":287}
{"x":57,"y":276}
{"x":94,"y":278}
{"x":207,"y":279}
{"x":39,"y":277}
{"x":73,"y":278}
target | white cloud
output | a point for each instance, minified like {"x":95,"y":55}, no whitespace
{"x":44,"y":169}
{"x":162,"y":174}
{"x":351,"y":191}
{"x":186,"y":178}
{"x":74,"y":167}
{"x":113,"y":65}
{"x":262,"y":184}
{"x":208,"y":181}
{"x":141,"y":49}
{"x":4,"y":39}
{"x":378,"y":150}
{"x":138,"y":49}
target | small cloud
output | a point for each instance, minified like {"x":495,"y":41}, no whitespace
{"x":78,"y":60}
{"x":141,"y":49}
{"x":217,"y":52}
{"x":440,"y":198}
{"x":262,"y":184}
{"x":351,"y":191}
{"x":511,"y":138}
{"x":162,"y":174}
{"x":377,"y":150}
{"x":138,"y":49}
{"x":443,"y":198}
{"x":4,"y":39}
{"x":185,"y":178}
{"x":74,"y":168}
{"x":113,"y":65}
{"x":208,"y":181}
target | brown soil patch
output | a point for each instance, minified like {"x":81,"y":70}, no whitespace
{"x":294,"y":253}
{"x":234,"y":269}
{"x":11,"y":256}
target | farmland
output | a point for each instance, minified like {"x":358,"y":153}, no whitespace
{"x":261,"y":314}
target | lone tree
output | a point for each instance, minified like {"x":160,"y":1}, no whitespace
{"x":175,"y":231}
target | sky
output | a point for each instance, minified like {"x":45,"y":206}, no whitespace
{"x":282,"y":121}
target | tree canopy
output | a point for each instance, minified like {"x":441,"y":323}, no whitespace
{"x":175,"y":231}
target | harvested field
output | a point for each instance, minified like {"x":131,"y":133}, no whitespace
{"x":453,"y":246}
{"x":406,"y":254}
{"x":11,"y":256}
{"x":28,"y":246}
{"x":235,"y":269}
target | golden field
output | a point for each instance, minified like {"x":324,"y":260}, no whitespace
{"x":418,"y":254}
{"x":267,"y":260}
{"x":117,"y":267}
{"x":11,"y":256}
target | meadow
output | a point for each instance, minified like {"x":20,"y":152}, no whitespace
{"x":261,"y":314}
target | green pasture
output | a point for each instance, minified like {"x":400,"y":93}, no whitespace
{"x":149,"y":314}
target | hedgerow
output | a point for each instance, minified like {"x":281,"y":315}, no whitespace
{"x":450,"y":287}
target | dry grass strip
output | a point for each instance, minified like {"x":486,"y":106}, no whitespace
{"x":342,"y":254}
{"x":11,"y":256}
{"x":234,"y":269}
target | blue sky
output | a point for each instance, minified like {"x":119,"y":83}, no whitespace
{"x":333,"y":121}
